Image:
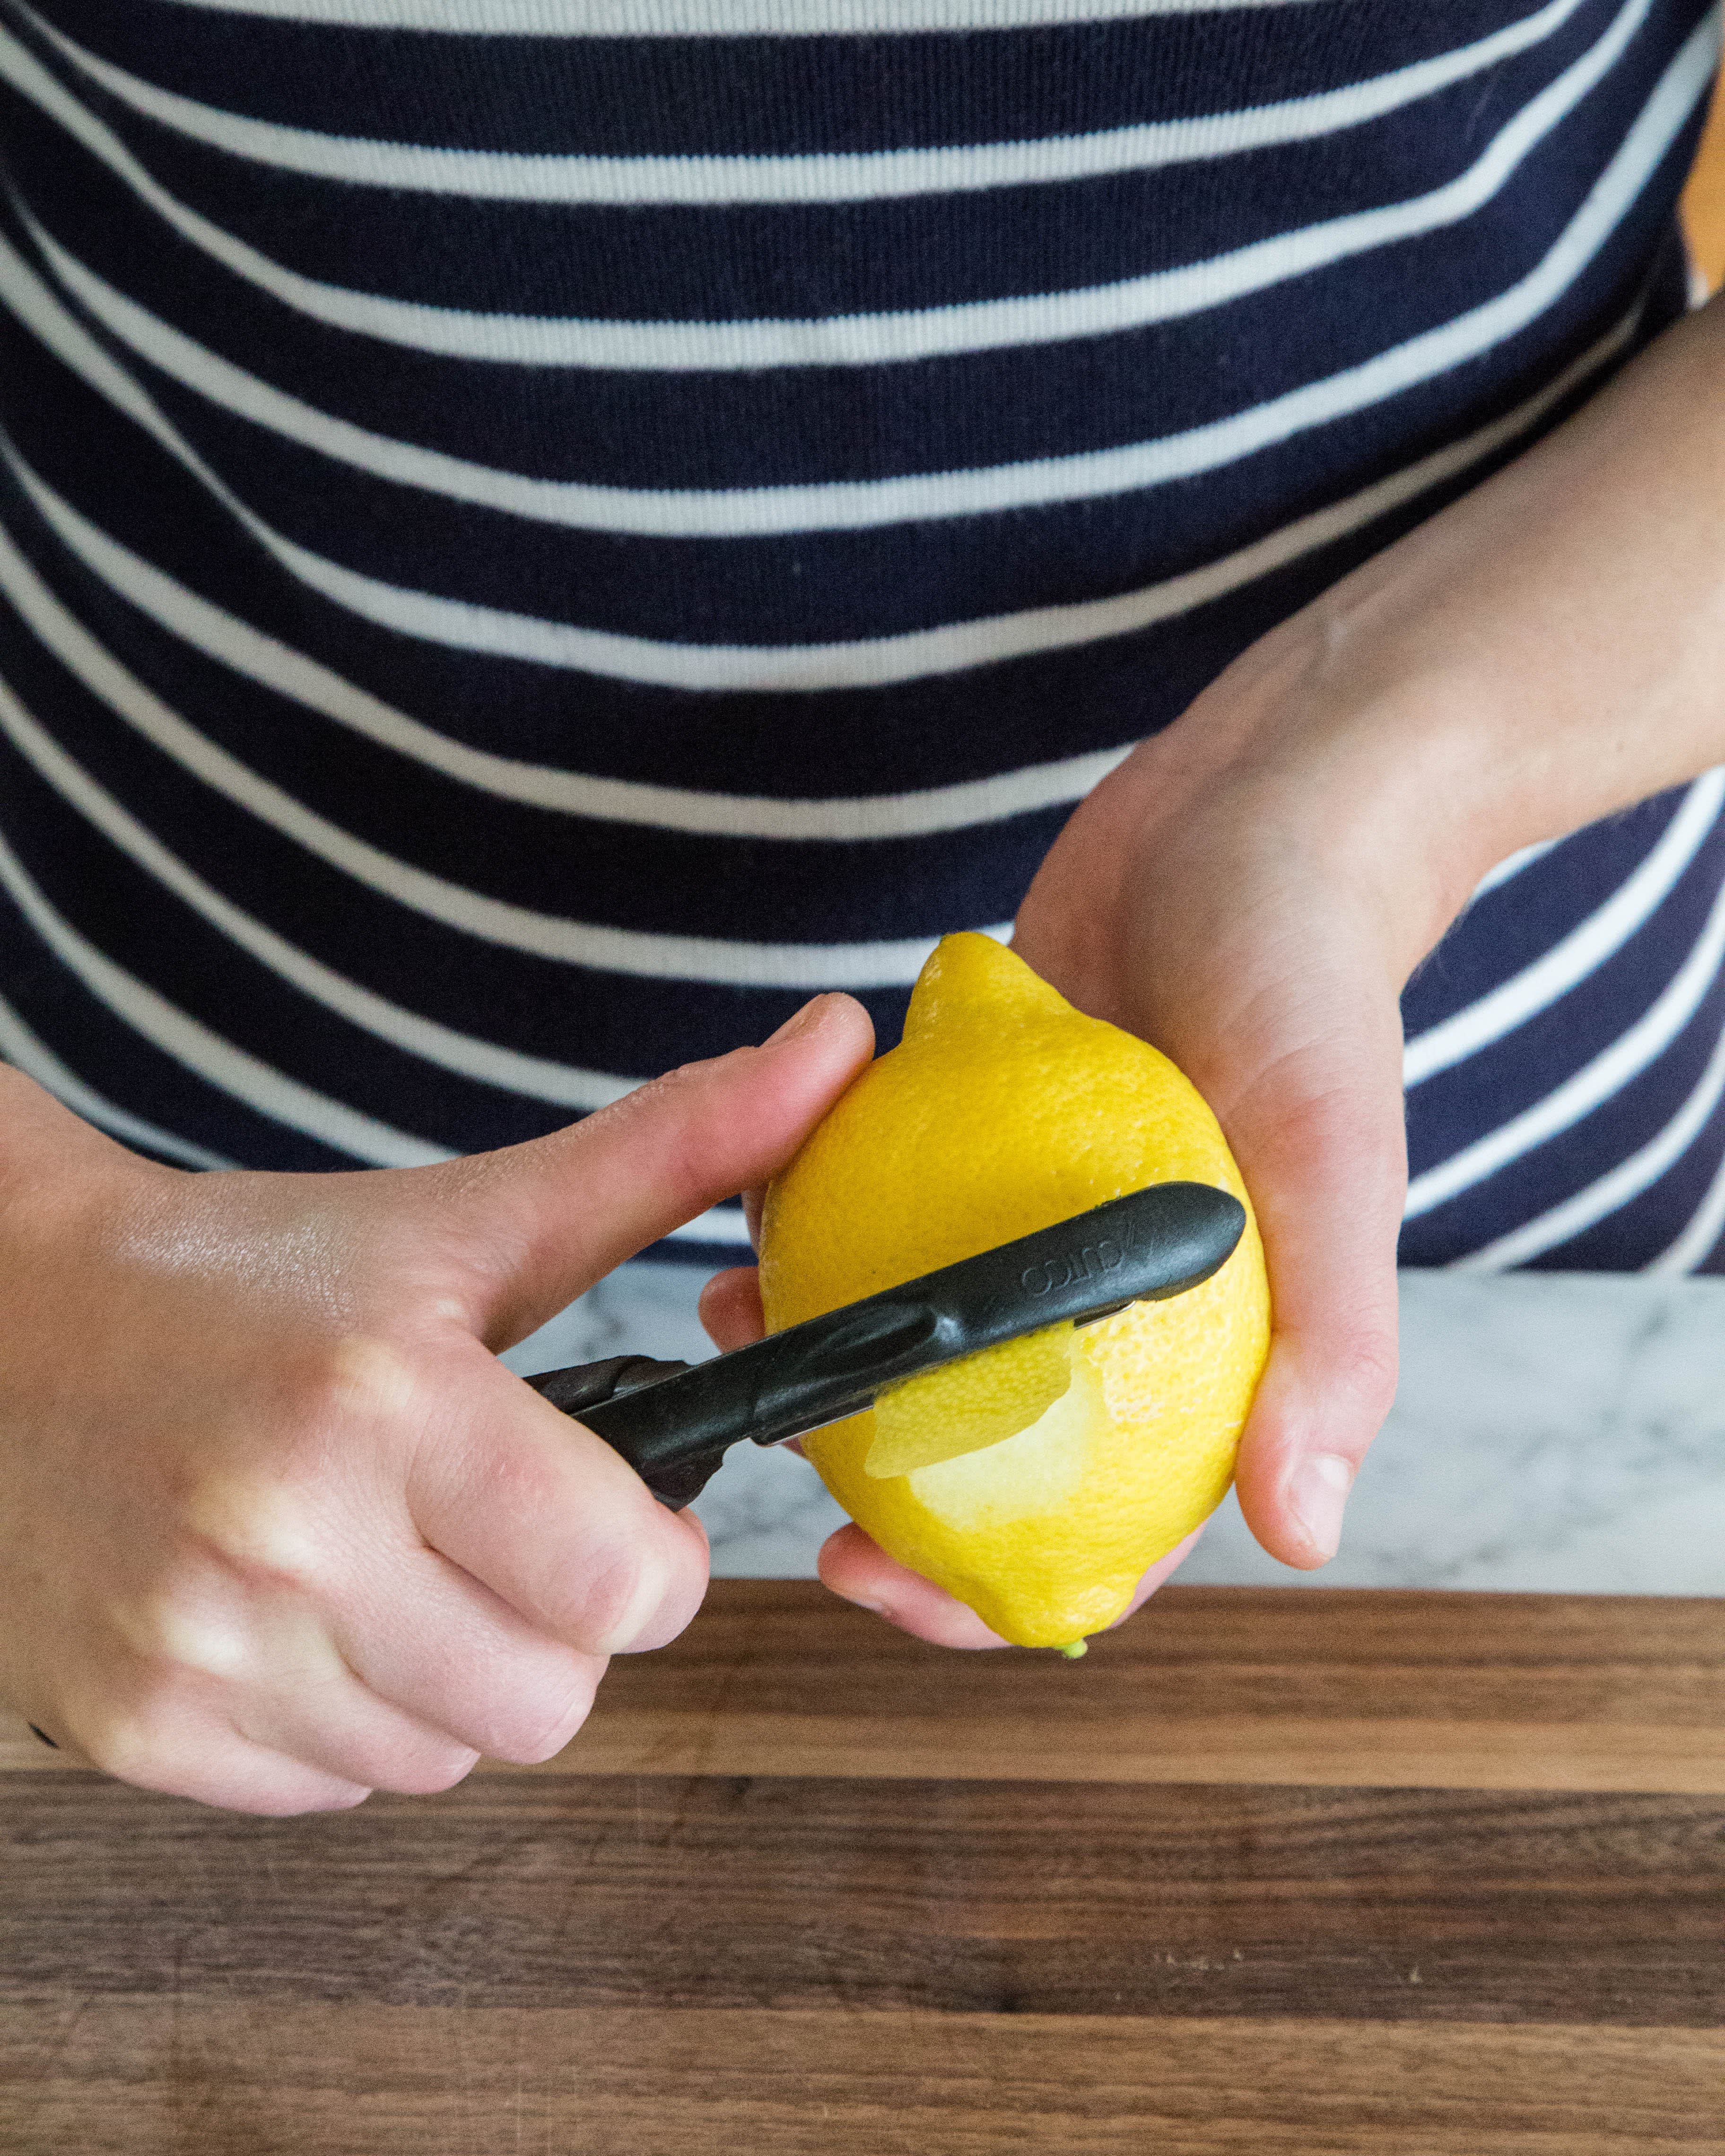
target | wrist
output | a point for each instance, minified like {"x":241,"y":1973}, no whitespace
{"x":1401,"y":772}
{"x":1368,"y":778}
{"x":63,"y":1184}
{"x":1551,"y":644}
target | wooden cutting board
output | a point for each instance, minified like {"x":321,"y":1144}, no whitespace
{"x":1279,"y":1870}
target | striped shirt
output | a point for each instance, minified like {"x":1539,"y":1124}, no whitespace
{"x":535,"y":534}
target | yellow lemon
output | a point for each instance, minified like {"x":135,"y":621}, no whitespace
{"x":1038,"y":1481}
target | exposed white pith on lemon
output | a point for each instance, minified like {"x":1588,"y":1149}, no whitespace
{"x":970,"y":1404}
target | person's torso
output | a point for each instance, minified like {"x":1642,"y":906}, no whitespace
{"x":543,"y":531}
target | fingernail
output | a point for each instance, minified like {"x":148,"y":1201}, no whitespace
{"x":1318,"y":1497}
{"x":862,"y":1602}
{"x":811,"y":1015}
{"x":652,"y":1585}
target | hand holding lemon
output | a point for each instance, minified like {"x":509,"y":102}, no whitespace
{"x":1035,"y":1483}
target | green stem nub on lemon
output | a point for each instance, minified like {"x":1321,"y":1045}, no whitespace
{"x":1037,"y":1481}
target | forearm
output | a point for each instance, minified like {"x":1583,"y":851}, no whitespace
{"x":1546,"y":650}
{"x":1581,"y":595}
{"x":1252,"y":888}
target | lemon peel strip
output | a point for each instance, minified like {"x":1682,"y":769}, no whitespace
{"x":969,"y":1404}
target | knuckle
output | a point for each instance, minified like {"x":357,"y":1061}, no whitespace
{"x":170,"y":1632}
{"x":539,"y":1732}
{"x":690,"y":1124}
{"x":332,"y":1383}
{"x":154,"y":1739}
{"x":1367,"y":1366}
{"x":260,"y":1506}
{"x":429,"y":1777}
{"x":134,"y":1743}
{"x":519,"y":1482}
{"x":260,"y":1525}
{"x":610,"y":1594}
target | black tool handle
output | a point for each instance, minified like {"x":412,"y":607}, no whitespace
{"x":589,"y":1385}
{"x":674,"y":1422}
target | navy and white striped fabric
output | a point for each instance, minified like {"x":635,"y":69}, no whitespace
{"x":534,"y":533}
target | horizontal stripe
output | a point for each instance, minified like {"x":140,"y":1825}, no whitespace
{"x":1589,"y":1087}
{"x":268,"y":1091}
{"x":211,"y":1059}
{"x":1523,"y":858}
{"x":685,"y":443}
{"x":873,"y":662}
{"x":218,"y":1062}
{"x":893,"y":963}
{"x":1611,"y":1192}
{"x":142,"y":316}
{"x":870,"y":176}
{"x":738,"y":95}
{"x":1586,"y":948}
{"x":532,"y":1076}
{"x":207,"y":375}
{"x":710,"y":18}
{"x":864,"y":339}
{"x":277,"y":666}
{"x":28,"y":1052}
{"x":722,"y":1224}
{"x":853,"y":505}
{"x":1697,"y":1241}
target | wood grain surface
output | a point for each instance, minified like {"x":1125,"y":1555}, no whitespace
{"x":150,"y":2080}
{"x":1236,"y":1685}
{"x":1257,"y":1875}
{"x":1309,"y":1685}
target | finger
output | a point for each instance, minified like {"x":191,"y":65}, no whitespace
{"x":144,"y":1685}
{"x":559,"y":1212}
{"x":337,"y":1725}
{"x":860,"y":1571}
{"x":178,"y":1743}
{"x":234,"y":1776}
{"x":453,"y":1656}
{"x":754,"y":1201}
{"x":730,"y":1308}
{"x":261,"y":1659}
{"x":293,"y":1693}
{"x":1328,"y":1182}
{"x":552,"y":1520}
{"x":857,"y":1568}
{"x":1157,"y":1574}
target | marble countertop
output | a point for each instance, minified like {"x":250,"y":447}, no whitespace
{"x":1553,"y":1433}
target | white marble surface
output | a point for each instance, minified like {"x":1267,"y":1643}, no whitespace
{"x":1561,"y":1432}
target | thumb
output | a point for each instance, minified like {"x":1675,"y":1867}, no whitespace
{"x":547,"y":1218}
{"x":1327,"y":1174}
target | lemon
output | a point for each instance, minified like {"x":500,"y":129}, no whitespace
{"x":1038,"y":1481}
